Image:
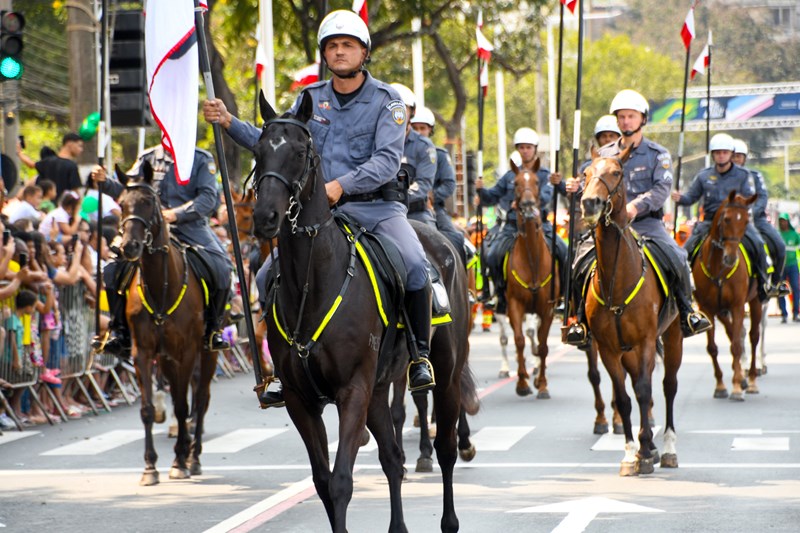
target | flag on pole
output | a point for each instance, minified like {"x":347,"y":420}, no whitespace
{"x":360,"y":7}
{"x":701,"y":63}
{"x":485,"y":49}
{"x":570,"y":4}
{"x":172,"y":78}
{"x":687,"y":31}
{"x":261,"y":55}
{"x":306,"y":76}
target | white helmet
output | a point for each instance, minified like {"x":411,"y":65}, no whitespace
{"x":606,"y":123}
{"x":629,"y":99}
{"x":739,"y":147}
{"x":526,"y":136}
{"x":516,"y":158}
{"x":406,"y":95}
{"x":343,"y":22}
{"x":423,"y":115}
{"x":721,"y":141}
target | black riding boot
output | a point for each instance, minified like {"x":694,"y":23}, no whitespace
{"x":577,"y":334}
{"x":118,"y":340}
{"x":214,"y":321}
{"x":692,"y":322}
{"x":420,"y":370}
{"x":272,"y":398}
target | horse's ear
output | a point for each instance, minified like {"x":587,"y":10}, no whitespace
{"x":514,"y":167}
{"x":595,"y":153}
{"x":147,"y":172}
{"x":537,"y":164}
{"x":121,"y":176}
{"x":731,"y":197}
{"x":306,"y":109}
{"x":267,"y":113}
{"x":625,"y":154}
{"x":752,"y":199}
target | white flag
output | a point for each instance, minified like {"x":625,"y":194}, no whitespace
{"x":172,"y":78}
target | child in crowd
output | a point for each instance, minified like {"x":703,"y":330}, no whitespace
{"x":62,"y":223}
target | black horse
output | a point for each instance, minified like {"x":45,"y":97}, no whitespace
{"x":164,"y":309}
{"x":327,"y":346}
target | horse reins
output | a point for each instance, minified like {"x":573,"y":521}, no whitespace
{"x":719,"y":244}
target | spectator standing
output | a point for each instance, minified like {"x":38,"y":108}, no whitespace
{"x":26,"y":207}
{"x":790,"y":271}
{"x":62,"y":169}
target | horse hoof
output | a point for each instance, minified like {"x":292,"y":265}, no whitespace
{"x":405,"y":474}
{"x":655,"y":456}
{"x":753,"y":389}
{"x":179,"y":473}
{"x":503,"y":374}
{"x":669,"y":460}
{"x":645,"y":466}
{"x":600,"y":429}
{"x":737,"y":397}
{"x":364,"y":438}
{"x":416,"y":421}
{"x":619,"y":429}
{"x":721,"y":393}
{"x":196,"y":469}
{"x":526,"y":391}
{"x":745,"y":384}
{"x":424,"y":465}
{"x":160,"y":417}
{"x":149,"y":478}
{"x":543,"y":395}
{"x":628,"y":470}
{"x":432,"y":431}
{"x":468,"y":454}
{"x":173,"y":432}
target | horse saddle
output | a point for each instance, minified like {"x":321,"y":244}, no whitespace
{"x":201,"y":268}
{"x":384,"y":263}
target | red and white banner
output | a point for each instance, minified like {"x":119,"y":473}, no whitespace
{"x":701,"y":63}
{"x":570,"y":4}
{"x":360,"y":7}
{"x":261,"y":55}
{"x":172,"y":78}
{"x":485,"y":49}
{"x":305,"y":76}
{"x":687,"y":31}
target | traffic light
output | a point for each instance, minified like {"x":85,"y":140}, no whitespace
{"x":11,"y":25}
{"x":127,"y":75}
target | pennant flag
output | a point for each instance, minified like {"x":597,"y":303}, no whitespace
{"x":306,"y":76}
{"x":570,"y":5}
{"x":261,"y":54}
{"x":687,"y":32}
{"x":360,"y":7}
{"x":484,"y":79}
{"x":172,"y":78}
{"x":484,"y":46}
{"x":701,"y":63}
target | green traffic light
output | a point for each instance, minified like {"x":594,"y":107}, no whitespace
{"x":10,"y":68}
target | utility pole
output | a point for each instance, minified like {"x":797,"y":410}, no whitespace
{"x":81,"y":30}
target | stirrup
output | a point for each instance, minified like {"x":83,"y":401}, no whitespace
{"x":270,"y":398}
{"x":702,"y":323}
{"x":427,"y":368}
{"x":577,"y":335}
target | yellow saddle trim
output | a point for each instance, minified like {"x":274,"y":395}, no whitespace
{"x":630,"y":297}
{"x":657,"y":269}
{"x":178,"y":301}
{"x":519,"y":280}
{"x":362,"y":254}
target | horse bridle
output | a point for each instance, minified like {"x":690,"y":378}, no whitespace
{"x":608,"y":207}
{"x":149,"y":236}
{"x":294,"y":187}
{"x":722,"y":239}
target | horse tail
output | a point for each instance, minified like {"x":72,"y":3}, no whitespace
{"x":469,"y":391}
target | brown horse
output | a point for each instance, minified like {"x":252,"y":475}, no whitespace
{"x":529,"y":277}
{"x":627,"y":311}
{"x":724,"y":286}
{"x":328,"y":346}
{"x":165,"y":312}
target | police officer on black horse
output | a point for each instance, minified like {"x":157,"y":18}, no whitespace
{"x":187,"y":209}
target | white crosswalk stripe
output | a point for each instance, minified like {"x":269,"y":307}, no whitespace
{"x":616,"y":443}
{"x":11,"y":436}
{"x":762,"y":444}
{"x":102,"y":443}
{"x":499,"y":438}
{"x":238,"y":440}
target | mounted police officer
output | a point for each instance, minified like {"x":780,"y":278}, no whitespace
{"x":444,"y":184}
{"x":187,"y":208}
{"x":526,"y":142}
{"x":775,"y":244}
{"x":358,"y":129}
{"x":648,"y":179}
{"x":419,"y":162}
{"x":713,"y":185}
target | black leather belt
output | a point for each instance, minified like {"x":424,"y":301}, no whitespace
{"x":657,"y":214}
{"x":363,"y":197}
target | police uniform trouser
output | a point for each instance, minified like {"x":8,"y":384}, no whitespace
{"x":777,"y":248}
{"x":445,"y":226}
{"x":560,"y":251}
{"x":496,"y":252}
{"x":425,"y":216}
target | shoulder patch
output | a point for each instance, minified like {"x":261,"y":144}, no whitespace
{"x":432,"y":155}
{"x":398,"y":110}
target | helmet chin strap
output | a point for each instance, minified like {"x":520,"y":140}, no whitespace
{"x":349,"y":75}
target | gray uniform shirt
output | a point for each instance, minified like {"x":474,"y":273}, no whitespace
{"x":713,"y":187}
{"x":444,"y":185}
{"x":420,"y":153}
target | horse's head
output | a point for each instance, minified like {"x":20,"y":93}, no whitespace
{"x":526,"y":191}
{"x":243,"y":205}
{"x":285,"y":167}
{"x":141,"y":223}
{"x":604,"y":187}
{"x":729,"y":225}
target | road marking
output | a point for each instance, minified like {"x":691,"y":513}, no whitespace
{"x":557,"y":354}
{"x":499,"y":438}
{"x":744,"y":431}
{"x":7,"y":436}
{"x":102,"y":443}
{"x":615,"y":443}
{"x":580,"y":513}
{"x":238,"y":440}
{"x":371,"y":446}
{"x":776,"y":444}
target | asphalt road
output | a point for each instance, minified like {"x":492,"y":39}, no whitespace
{"x":538,"y":466}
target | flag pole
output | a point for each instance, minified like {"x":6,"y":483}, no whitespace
{"x":555,"y":138}
{"x":708,"y":100}
{"x":479,"y":171}
{"x":205,"y":68}
{"x":101,"y":144}
{"x":576,"y":139}
{"x":681,"y":137}
{"x":322,"y":66}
